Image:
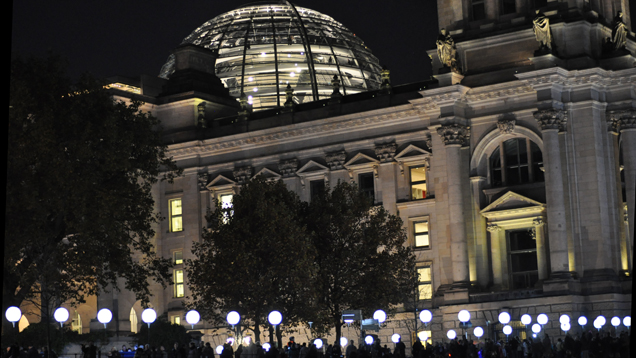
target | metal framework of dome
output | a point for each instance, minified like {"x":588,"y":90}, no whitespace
{"x":263,"y":47}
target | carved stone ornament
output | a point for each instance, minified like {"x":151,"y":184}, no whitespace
{"x":506,"y":125}
{"x":336,"y":160}
{"x":429,"y":142}
{"x":385,"y":152}
{"x":493,"y":228}
{"x":533,"y":233}
{"x":288,"y":167}
{"x":613,"y":121}
{"x":538,"y":221}
{"x":201,"y":117}
{"x":202,"y":180}
{"x":454,"y":134}
{"x":243,"y":174}
{"x":627,"y":120}
{"x":551,"y":119}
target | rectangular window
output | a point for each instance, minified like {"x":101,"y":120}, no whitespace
{"x":423,"y":335}
{"x":366,"y":185}
{"x":176,"y":215}
{"x":425,"y":286}
{"x":226,"y":205}
{"x":418,"y":183}
{"x":420,"y":234}
{"x":316,"y":187}
{"x":479,"y":10}
{"x":508,"y":7}
{"x":178,"y":283}
{"x":522,"y":248}
{"x":176,"y":320}
{"x":178,"y":257}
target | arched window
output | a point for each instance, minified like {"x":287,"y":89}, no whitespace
{"x":76,"y":322}
{"x":516,"y":161}
{"x":133,"y":320}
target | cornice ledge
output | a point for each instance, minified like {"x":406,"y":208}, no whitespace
{"x":490,"y":93}
{"x":436,"y":97}
{"x":592,"y":76}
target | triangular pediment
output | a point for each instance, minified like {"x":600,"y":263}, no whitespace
{"x":412,"y":153}
{"x":512,"y":201}
{"x":311,"y":168}
{"x":360,"y":160}
{"x":268,"y":174}
{"x":220,"y":181}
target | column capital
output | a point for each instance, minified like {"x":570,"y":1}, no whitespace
{"x":386,"y":152}
{"x":538,"y":221}
{"x":453,"y":134}
{"x":288,"y":167}
{"x":242,"y":174}
{"x":627,"y":120}
{"x":493,"y":228}
{"x":506,"y":125}
{"x":550,"y":119}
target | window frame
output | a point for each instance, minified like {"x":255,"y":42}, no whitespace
{"x":419,"y":182}
{"x":177,"y":284}
{"x":510,"y":254}
{"x":421,"y":283}
{"x":428,"y":234}
{"x":533,"y":164}
{"x":369,"y":174}
{"x":172,"y":216}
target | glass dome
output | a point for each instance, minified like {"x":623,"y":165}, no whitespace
{"x":263,"y":47}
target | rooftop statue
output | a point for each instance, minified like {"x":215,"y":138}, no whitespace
{"x":446,"y":51}
{"x":619,"y":32}
{"x":541,"y":27}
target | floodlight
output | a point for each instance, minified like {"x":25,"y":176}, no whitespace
{"x":504,"y":317}
{"x":526,"y":319}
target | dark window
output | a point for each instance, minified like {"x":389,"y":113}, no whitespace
{"x":516,"y":161}
{"x":479,"y":10}
{"x":508,"y":7}
{"x":540,"y":3}
{"x":366,"y":185}
{"x":316,"y":187}
{"x":523,"y":258}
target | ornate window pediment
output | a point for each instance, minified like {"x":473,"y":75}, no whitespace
{"x":361,"y":160}
{"x":312,"y":168}
{"x":412,"y":153}
{"x":511,"y":205}
{"x":268,"y":174}
{"x":221,"y":182}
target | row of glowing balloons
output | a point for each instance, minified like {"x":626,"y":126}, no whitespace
{"x":504,"y":318}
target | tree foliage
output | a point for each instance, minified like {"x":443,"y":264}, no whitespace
{"x":163,"y":333}
{"x":254,"y":258}
{"x":80,"y":167}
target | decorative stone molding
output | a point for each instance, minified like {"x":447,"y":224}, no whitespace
{"x":336,"y":160}
{"x":288,"y":167}
{"x":493,"y":228}
{"x":385,"y":152}
{"x":627,"y":120}
{"x":613,"y":119}
{"x":376,"y":174}
{"x":202,"y":181}
{"x":538,"y":222}
{"x":551,"y":119}
{"x":506,"y":125}
{"x":429,"y":142}
{"x":243,"y":174}
{"x":453,"y":134}
{"x":201,"y":117}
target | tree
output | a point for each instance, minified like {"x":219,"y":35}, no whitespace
{"x":363,"y":262}
{"x":163,"y":333}
{"x":254,"y":258}
{"x":79,"y":210}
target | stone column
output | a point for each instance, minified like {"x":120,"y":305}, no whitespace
{"x":453,"y":136}
{"x":542,"y":257}
{"x":495,"y":249}
{"x":552,"y":121}
{"x":627,"y":127}
{"x":481,"y":241}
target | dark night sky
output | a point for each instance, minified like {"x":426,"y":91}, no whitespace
{"x":135,"y":37}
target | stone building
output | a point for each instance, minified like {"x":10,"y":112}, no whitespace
{"x":513,"y":169}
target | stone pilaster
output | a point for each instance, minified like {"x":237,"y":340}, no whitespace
{"x":243,"y":174}
{"x":627,"y":128}
{"x":551,"y":121}
{"x":496,"y":252}
{"x":542,"y":256}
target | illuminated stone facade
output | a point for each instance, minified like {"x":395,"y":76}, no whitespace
{"x":526,"y":203}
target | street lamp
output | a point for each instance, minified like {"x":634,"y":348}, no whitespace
{"x":104,"y":316}
{"x":536,"y":328}
{"x":193,"y":317}
{"x":542,"y":319}
{"x":582,"y":322}
{"x":267,"y":346}
{"x":422,"y":335}
{"x":380,"y":315}
{"x":564,"y":319}
{"x":13,"y":314}
{"x":565,"y":327}
{"x":219,"y":349}
{"x":318,"y":343}
{"x":149,"y":316}
{"x":526,"y":319}
{"x":61,"y":315}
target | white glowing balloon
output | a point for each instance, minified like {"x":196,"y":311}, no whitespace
{"x":542,"y":319}
{"x":627,"y":321}
{"x":247,"y":340}
{"x":368,"y":340}
{"x":233,"y":318}
{"x":564,"y":319}
{"x":395,"y":338}
{"x":504,"y":317}
{"x":565,"y":326}
{"x":478,"y":332}
{"x":426,"y":316}
{"x":451,"y":334}
{"x":526,"y":319}
{"x":13,"y":314}
{"x":318,"y":343}
{"x":615,"y":321}
{"x":267,"y":346}
{"x":230,"y":341}
{"x":507,"y":330}
{"x":601,"y":320}
{"x":343,"y":341}
{"x":422,"y":335}
{"x":148,"y":315}
{"x":463,"y":316}
{"x":104,"y":315}
{"x":193,"y":317}
{"x":582,"y":321}
{"x":275,"y":318}
{"x":380,"y":315}
{"x":219,"y":349}
{"x":61,"y":315}
{"x":536,"y":328}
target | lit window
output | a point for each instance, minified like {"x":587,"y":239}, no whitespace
{"x":420,"y":234}
{"x":133,"y":321}
{"x":226,"y":206}
{"x":178,"y":284}
{"x":178,"y":257}
{"x":425,"y":286}
{"x":516,"y":161}
{"x":76,"y":322}
{"x":176,"y":215}
{"x":424,"y":336}
{"x":524,"y":268}
{"x":175,"y":319}
{"x":366,"y":185}
{"x":418,"y":183}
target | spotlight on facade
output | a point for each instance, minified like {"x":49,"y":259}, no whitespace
{"x":148,"y":315}
{"x":478,"y":332}
{"x":61,"y":315}
{"x":368,"y":340}
{"x":395,"y":338}
{"x":565,"y":326}
{"x":13,"y":314}
{"x":615,"y":321}
{"x":233,"y":318}
{"x":426,"y":316}
{"x":193,"y":317}
{"x":343,"y":341}
{"x":564,"y":319}
{"x":526,"y":319}
{"x":536,"y":328}
{"x":582,"y":321}
{"x":627,"y":321}
{"x":104,"y":316}
{"x":463,"y":316}
{"x":267,"y":346}
{"x":504,"y":318}
{"x":542,"y":319}
{"x":451,"y":334}
{"x":380,"y":315}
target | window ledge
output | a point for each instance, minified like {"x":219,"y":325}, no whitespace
{"x":416,"y":203}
